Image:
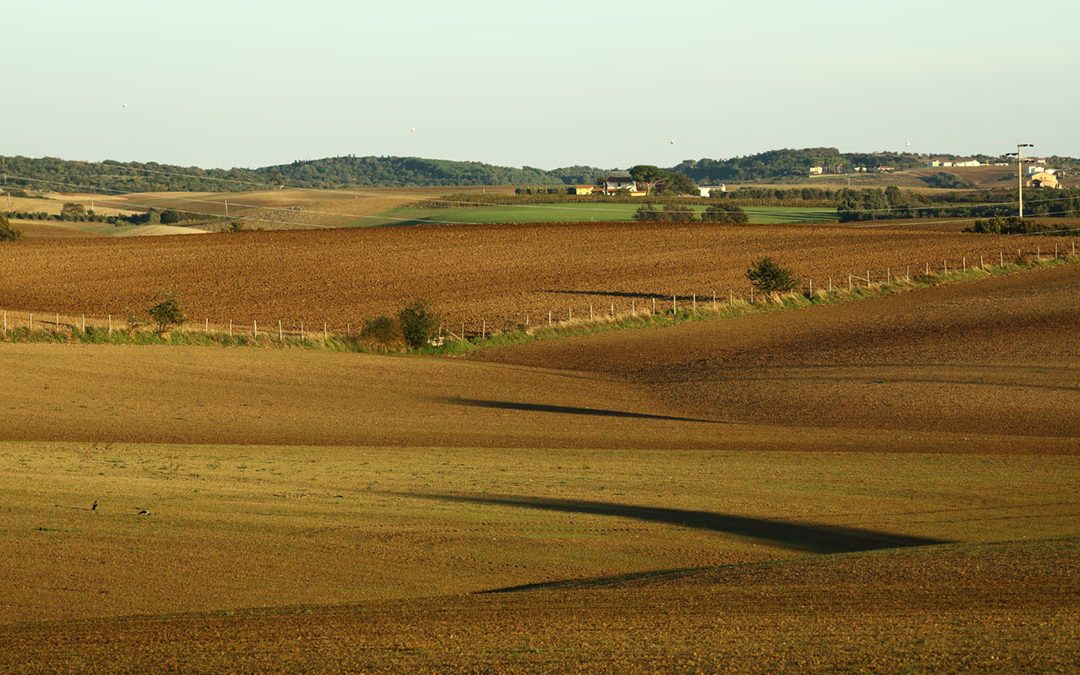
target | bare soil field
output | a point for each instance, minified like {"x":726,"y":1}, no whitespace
{"x":998,"y":607}
{"x":498,"y":274}
{"x":997,"y":356}
{"x":887,"y":484}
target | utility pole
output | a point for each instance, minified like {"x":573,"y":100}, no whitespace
{"x":1020,"y":175}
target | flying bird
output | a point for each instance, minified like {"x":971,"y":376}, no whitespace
{"x":123,"y":105}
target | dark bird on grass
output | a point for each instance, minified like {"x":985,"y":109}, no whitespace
{"x":144,"y":512}
{"x":93,"y":507}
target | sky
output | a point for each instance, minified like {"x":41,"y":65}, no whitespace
{"x":228,"y":83}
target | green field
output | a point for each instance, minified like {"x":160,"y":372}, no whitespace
{"x":566,"y":212}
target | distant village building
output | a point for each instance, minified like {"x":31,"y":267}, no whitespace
{"x":970,"y":162}
{"x":709,"y":190}
{"x":619,"y":180}
{"x":1032,"y":170}
{"x":886,"y":169}
{"x":817,"y":170}
{"x":583,"y":190}
{"x":1044,"y":180}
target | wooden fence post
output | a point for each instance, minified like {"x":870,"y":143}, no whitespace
{"x":714,"y":301}
{"x":31,"y":322}
{"x":280,"y":332}
{"x":654,"y":306}
{"x":674,"y":304}
{"x":811,"y":289}
{"x":255,"y":328}
{"x":230,"y":327}
{"x":590,"y":312}
{"x":849,"y":286}
{"x":325,"y":336}
{"x":549,"y":322}
{"x":301,"y":330}
{"x":693,"y":302}
{"x":633,"y":306}
{"x":206,"y":325}
{"x":110,"y":324}
{"x":483,"y":330}
{"x":1001,"y":257}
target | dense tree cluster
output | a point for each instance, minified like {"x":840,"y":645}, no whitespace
{"x":895,"y":204}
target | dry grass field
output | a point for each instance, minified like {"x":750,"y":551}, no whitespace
{"x":883,"y":485}
{"x":495,"y":273}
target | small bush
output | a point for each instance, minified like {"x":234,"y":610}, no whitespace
{"x":382,"y":330}
{"x":167,"y":313}
{"x":724,"y":214}
{"x":769,"y":276}
{"x":6,"y":232}
{"x":419,"y":324}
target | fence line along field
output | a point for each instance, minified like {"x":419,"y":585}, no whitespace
{"x":497,"y":273}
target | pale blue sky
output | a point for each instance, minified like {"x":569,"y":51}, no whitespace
{"x":237,"y":83}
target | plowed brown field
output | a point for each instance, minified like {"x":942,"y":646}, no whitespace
{"x":882,"y":485}
{"x":997,"y":356}
{"x":470,"y":273}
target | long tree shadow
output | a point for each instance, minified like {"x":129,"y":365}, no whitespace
{"x":810,"y":537}
{"x":564,"y":409}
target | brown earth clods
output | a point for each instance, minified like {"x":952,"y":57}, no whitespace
{"x":499,"y":274}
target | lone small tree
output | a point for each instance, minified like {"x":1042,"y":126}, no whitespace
{"x":769,"y":276}
{"x":167,"y":313}
{"x":6,"y":233}
{"x":418,"y":324}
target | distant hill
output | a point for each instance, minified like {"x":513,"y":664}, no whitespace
{"x":360,"y":172}
{"x":332,"y":172}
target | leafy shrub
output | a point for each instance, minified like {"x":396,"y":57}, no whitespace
{"x":678,"y":213}
{"x":647,"y":213}
{"x":6,"y":233}
{"x":167,"y":313}
{"x":943,"y":179}
{"x":419,"y":324}
{"x":381,"y":329}
{"x":724,"y":213}
{"x":671,"y":213}
{"x":1016,"y":225}
{"x":769,"y":276}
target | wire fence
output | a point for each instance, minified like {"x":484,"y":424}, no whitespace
{"x":616,"y":306}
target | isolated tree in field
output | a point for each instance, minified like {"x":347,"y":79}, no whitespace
{"x":167,"y":313}
{"x":727,"y":214}
{"x":6,"y":233}
{"x":170,"y":217}
{"x":679,"y":184}
{"x":769,"y":276}
{"x":382,"y":330}
{"x":72,"y":211}
{"x":419,"y":324}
